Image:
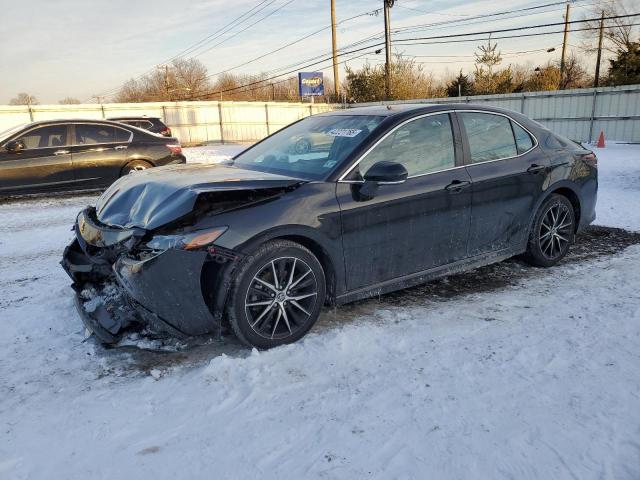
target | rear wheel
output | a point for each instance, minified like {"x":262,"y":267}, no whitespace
{"x":553,"y":232}
{"x":135,"y":166}
{"x":277,"y":295}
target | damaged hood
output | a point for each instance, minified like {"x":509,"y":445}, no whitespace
{"x":157,"y":196}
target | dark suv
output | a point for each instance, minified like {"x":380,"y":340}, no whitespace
{"x":62,"y":155}
{"x":152,"y":124}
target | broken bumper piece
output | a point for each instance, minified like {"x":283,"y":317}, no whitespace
{"x":116,"y":292}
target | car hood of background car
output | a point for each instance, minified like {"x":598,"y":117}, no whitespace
{"x":152,"y":198}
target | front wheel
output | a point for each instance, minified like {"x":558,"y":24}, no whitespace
{"x":277,"y":295}
{"x":553,"y":232}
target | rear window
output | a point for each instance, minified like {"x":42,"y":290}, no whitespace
{"x":87,"y":134}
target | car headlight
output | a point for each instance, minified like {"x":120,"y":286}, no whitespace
{"x":189,"y":241}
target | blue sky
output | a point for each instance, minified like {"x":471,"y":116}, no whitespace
{"x":81,"y":48}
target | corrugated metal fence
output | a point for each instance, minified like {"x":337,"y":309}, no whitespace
{"x":191,"y":122}
{"x":577,"y":114}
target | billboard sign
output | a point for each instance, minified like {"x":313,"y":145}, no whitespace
{"x":310,"y":84}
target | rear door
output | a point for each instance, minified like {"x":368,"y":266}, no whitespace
{"x":44,"y":165}
{"x":508,"y":175}
{"x":99,"y":153}
{"x":414,"y":226}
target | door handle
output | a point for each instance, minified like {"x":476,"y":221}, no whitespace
{"x":536,"y":168}
{"x":120,"y":147}
{"x":457,"y":186}
{"x":61,"y":152}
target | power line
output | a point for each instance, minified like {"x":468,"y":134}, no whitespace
{"x":360,"y":42}
{"x":240,"y":19}
{"x":447,"y":23}
{"x":244,"y":29}
{"x":448,"y":37}
{"x":221,"y":31}
{"x":260,"y":57}
{"x":513,"y":29}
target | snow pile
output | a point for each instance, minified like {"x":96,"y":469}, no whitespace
{"x":619,"y":187}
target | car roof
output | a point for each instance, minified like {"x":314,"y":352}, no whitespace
{"x":71,"y":120}
{"x":408,"y":109}
{"x":142,"y":117}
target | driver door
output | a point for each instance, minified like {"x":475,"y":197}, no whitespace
{"x":43,"y":165}
{"x":414,"y":226}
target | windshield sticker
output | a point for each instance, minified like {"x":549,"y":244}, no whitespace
{"x":329,"y":163}
{"x":343,"y":132}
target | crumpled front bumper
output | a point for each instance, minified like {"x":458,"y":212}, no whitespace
{"x":163,"y":291}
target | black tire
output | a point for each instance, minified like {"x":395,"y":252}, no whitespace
{"x":302,"y":146}
{"x":552,"y":233}
{"x":264,"y":317}
{"x":134,"y":166}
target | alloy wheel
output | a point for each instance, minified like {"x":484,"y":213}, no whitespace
{"x":555,"y":231}
{"x":281,"y":298}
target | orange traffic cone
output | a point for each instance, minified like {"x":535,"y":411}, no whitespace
{"x":600,"y":143}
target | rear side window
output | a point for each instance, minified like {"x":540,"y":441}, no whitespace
{"x":87,"y":134}
{"x":490,"y":136}
{"x":144,"y":124}
{"x":524,"y":142}
{"x":424,"y":145}
{"x":46,"y":137}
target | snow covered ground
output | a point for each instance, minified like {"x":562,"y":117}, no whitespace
{"x":505,"y":372}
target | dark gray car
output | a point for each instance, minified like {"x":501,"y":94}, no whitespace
{"x":62,"y":155}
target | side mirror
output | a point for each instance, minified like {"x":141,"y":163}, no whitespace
{"x":386,"y":173}
{"x":15,"y":146}
{"x":381,"y":173}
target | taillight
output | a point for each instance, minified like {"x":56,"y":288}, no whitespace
{"x":166,"y":132}
{"x":175,"y":148}
{"x":591,"y":159}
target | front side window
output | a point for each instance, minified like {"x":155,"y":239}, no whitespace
{"x":424,"y":145}
{"x":45,"y":137}
{"x":310,"y":148}
{"x":490,"y":136}
{"x":88,"y":134}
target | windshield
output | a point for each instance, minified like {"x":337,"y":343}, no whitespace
{"x":310,"y":148}
{"x":10,"y":131}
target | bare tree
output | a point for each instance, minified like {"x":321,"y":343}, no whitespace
{"x":69,"y":101}
{"x":183,"y":79}
{"x":23,"y":98}
{"x":575,"y":75}
{"x":620,"y":34}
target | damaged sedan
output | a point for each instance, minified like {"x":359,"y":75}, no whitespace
{"x":393,"y":197}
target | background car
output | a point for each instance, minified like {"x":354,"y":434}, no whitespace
{"x":62,"y":155}
{"x":404,"y":194}
{"x":152,"y":124}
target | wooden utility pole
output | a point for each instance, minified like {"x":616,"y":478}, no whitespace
{"x":334,"y":46}
{"x":564,"y":44}
{"x":387,"y":48}
{"x":166,"y":80}
{"x":596,"y":80}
